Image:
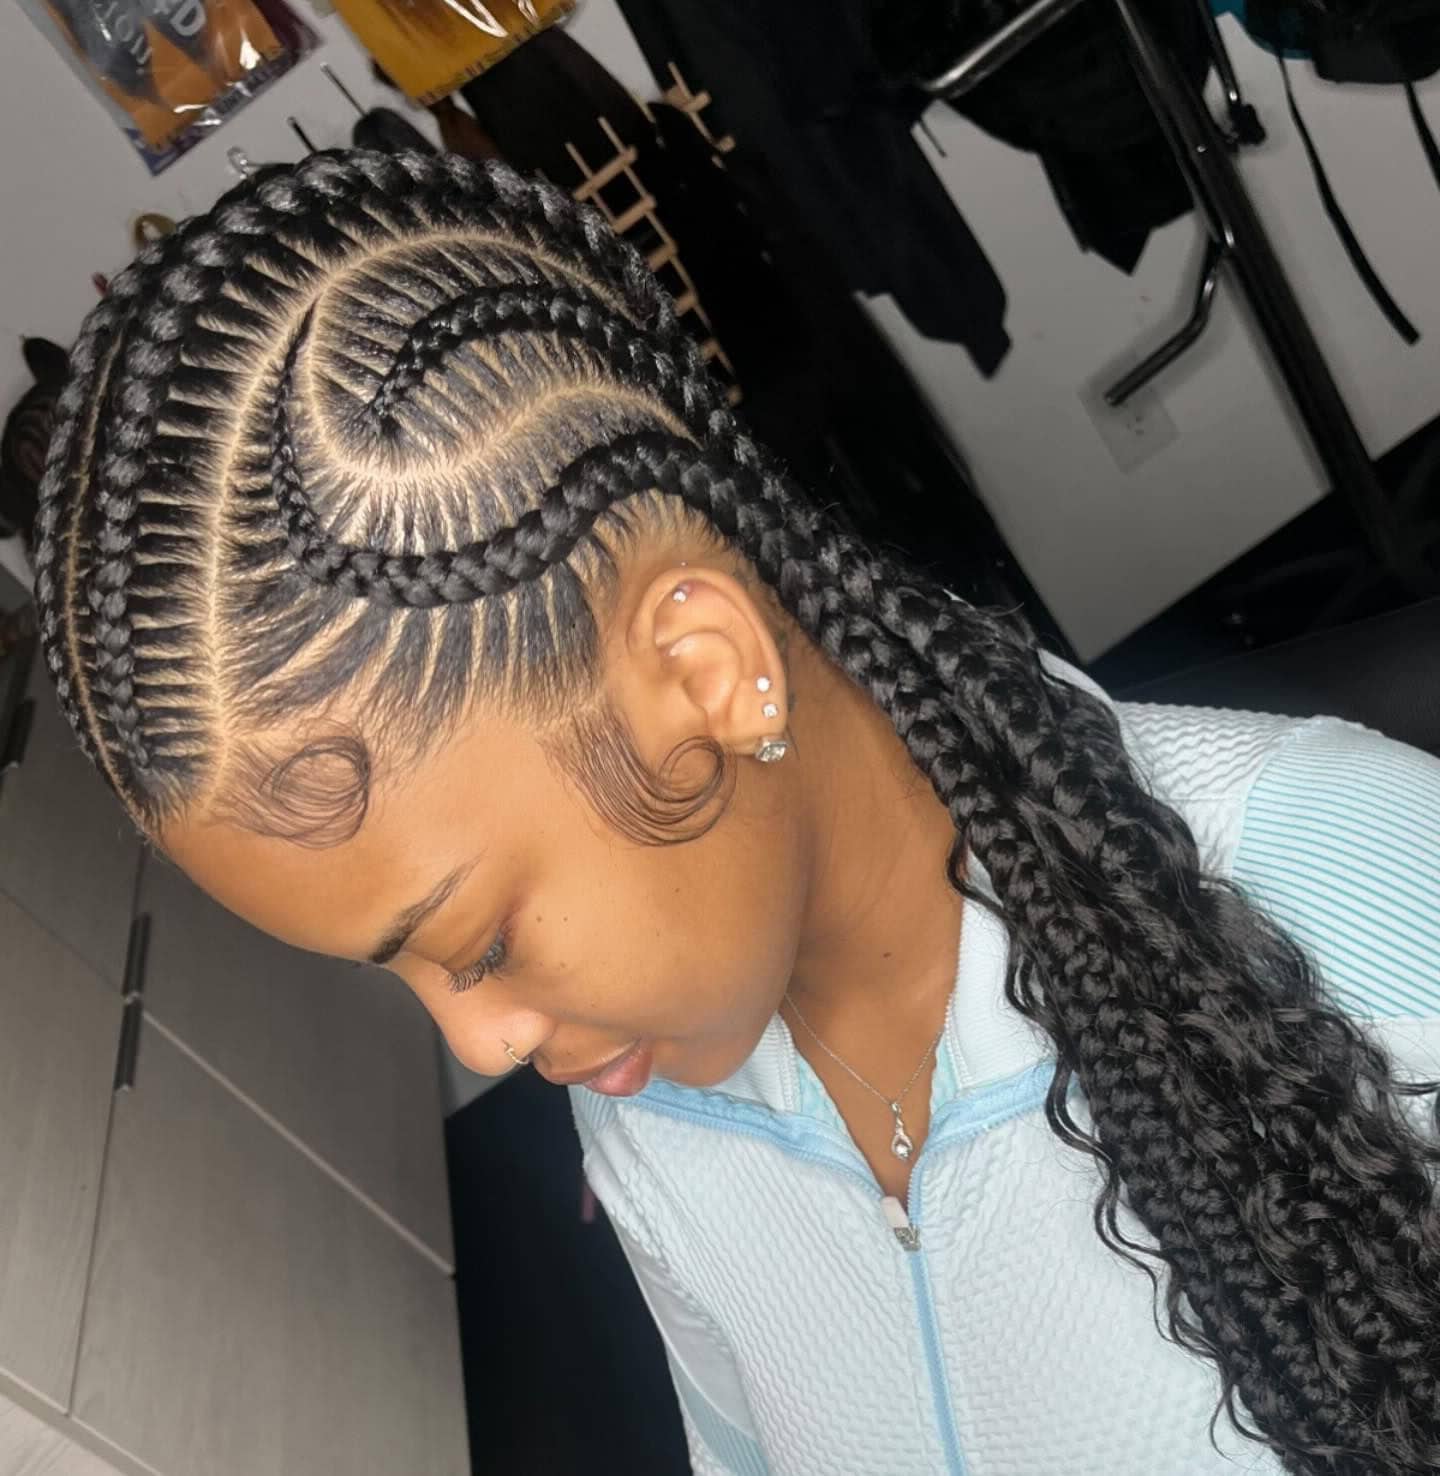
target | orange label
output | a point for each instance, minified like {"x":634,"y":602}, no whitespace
{"x":428,"y":48}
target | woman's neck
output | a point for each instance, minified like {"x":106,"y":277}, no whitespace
{"x":883,"y":924}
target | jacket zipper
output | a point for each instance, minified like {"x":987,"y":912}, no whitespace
{"x":906,"y":1230}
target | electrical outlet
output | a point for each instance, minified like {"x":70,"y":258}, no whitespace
{"x":1132,"y":432}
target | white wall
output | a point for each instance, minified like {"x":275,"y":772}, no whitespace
{"x":1106,"y":547}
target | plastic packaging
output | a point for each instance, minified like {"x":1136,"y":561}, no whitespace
{"x":428,"y":48}
{"x":170,"y":71}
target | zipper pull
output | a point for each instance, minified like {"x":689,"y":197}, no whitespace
{"x":907,"y":1234}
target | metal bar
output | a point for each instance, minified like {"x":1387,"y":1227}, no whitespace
{"x":344,"y":90}
{"x":1177,"y":343}
{"x":299,"y":132}
{"x":1244,"y":120}
{"x":1220,"y":194}
{"x":1220,"y":55}
{"x":992,"y":54}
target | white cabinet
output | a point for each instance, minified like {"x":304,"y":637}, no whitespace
{"x":67,"y":850}
{"x":59,"y":1025}
{"x":247,"y":1315}
{"x":344,"y":1058}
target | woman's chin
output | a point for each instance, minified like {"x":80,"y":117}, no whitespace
{"x":698,"y":1069}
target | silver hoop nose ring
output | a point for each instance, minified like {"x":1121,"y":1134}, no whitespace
{"x":510,"y":1051}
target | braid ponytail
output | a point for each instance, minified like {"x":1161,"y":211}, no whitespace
{"x":1254,"y":1132}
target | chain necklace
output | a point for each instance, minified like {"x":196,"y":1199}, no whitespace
{"x":900,"y":1144}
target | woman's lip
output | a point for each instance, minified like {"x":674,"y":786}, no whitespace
{"x":590,"y":1074}
{"x":627,"y":1075}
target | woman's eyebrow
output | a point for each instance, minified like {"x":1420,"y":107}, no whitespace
{"x":405,"y":924}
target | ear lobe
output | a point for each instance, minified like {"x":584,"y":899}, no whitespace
{"x":713,"y":648}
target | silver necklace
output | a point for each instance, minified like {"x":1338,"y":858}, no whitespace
{"x":900,"y":1144}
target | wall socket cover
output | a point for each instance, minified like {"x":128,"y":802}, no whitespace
{"x":1132,"y":432}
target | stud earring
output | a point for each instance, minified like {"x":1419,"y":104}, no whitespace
{"x":681,"y":595}
{"x":763,"y":684}
{"x":770,"y":710}
{"x":772,"y":750}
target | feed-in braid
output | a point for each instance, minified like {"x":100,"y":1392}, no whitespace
{"x":385,"y":423}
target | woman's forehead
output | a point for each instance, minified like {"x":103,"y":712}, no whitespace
{"x":426,"y":821}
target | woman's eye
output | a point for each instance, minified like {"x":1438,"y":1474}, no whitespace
{"x":482,"y":968}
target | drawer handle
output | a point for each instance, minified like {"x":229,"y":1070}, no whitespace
{"x":133,"y":1013}
{"x":129,"y":1051}
{"x":136,"y":951}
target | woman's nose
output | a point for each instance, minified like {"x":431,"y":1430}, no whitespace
{"x":496,"y":1042}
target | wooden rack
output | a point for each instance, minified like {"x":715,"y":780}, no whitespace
{"x":617,"y":191}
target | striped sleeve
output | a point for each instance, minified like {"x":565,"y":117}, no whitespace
{"x":1341,"y":845}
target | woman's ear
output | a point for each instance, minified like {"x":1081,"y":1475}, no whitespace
{"x":701,"y":660}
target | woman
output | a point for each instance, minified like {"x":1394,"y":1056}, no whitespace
{"x":420,"y":597}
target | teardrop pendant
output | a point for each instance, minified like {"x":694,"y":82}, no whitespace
{"x":900,"y":1144}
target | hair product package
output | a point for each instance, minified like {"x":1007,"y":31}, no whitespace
{"x":429,"y":48}
{"x":171,"y":71}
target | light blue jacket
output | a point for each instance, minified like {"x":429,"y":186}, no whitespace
{"x":994,"y":1335}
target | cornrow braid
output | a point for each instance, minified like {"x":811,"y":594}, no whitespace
{"x":148,"y":314}
{"x":259,"y":402}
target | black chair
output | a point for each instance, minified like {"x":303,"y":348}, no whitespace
{"x":1383,"y":672}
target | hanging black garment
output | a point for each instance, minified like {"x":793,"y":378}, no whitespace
{"x":547,"y":93}
{"x":1071,"y":97}
{"x":1369,"y":42}
{"x":797,"y":85}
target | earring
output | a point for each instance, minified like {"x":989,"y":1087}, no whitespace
{"x":763,"y":684}
{"x":681,"y":595}
{"x":772,"y":750}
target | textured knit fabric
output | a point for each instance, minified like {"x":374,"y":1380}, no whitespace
{"x":806,"y":1340}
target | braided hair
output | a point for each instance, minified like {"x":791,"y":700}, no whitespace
{"x":383,"y":422}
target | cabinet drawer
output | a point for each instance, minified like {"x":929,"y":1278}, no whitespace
{"x":59,"y":1029}
{"x":345,"y":1058}
{"x":247,"y":1315}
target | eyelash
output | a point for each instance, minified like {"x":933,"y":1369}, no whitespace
{"x":492,"y":962}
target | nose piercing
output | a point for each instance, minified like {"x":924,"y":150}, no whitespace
{"x":510,"y":1051}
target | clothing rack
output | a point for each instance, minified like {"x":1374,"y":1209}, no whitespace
{"x":1239,"y":242}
